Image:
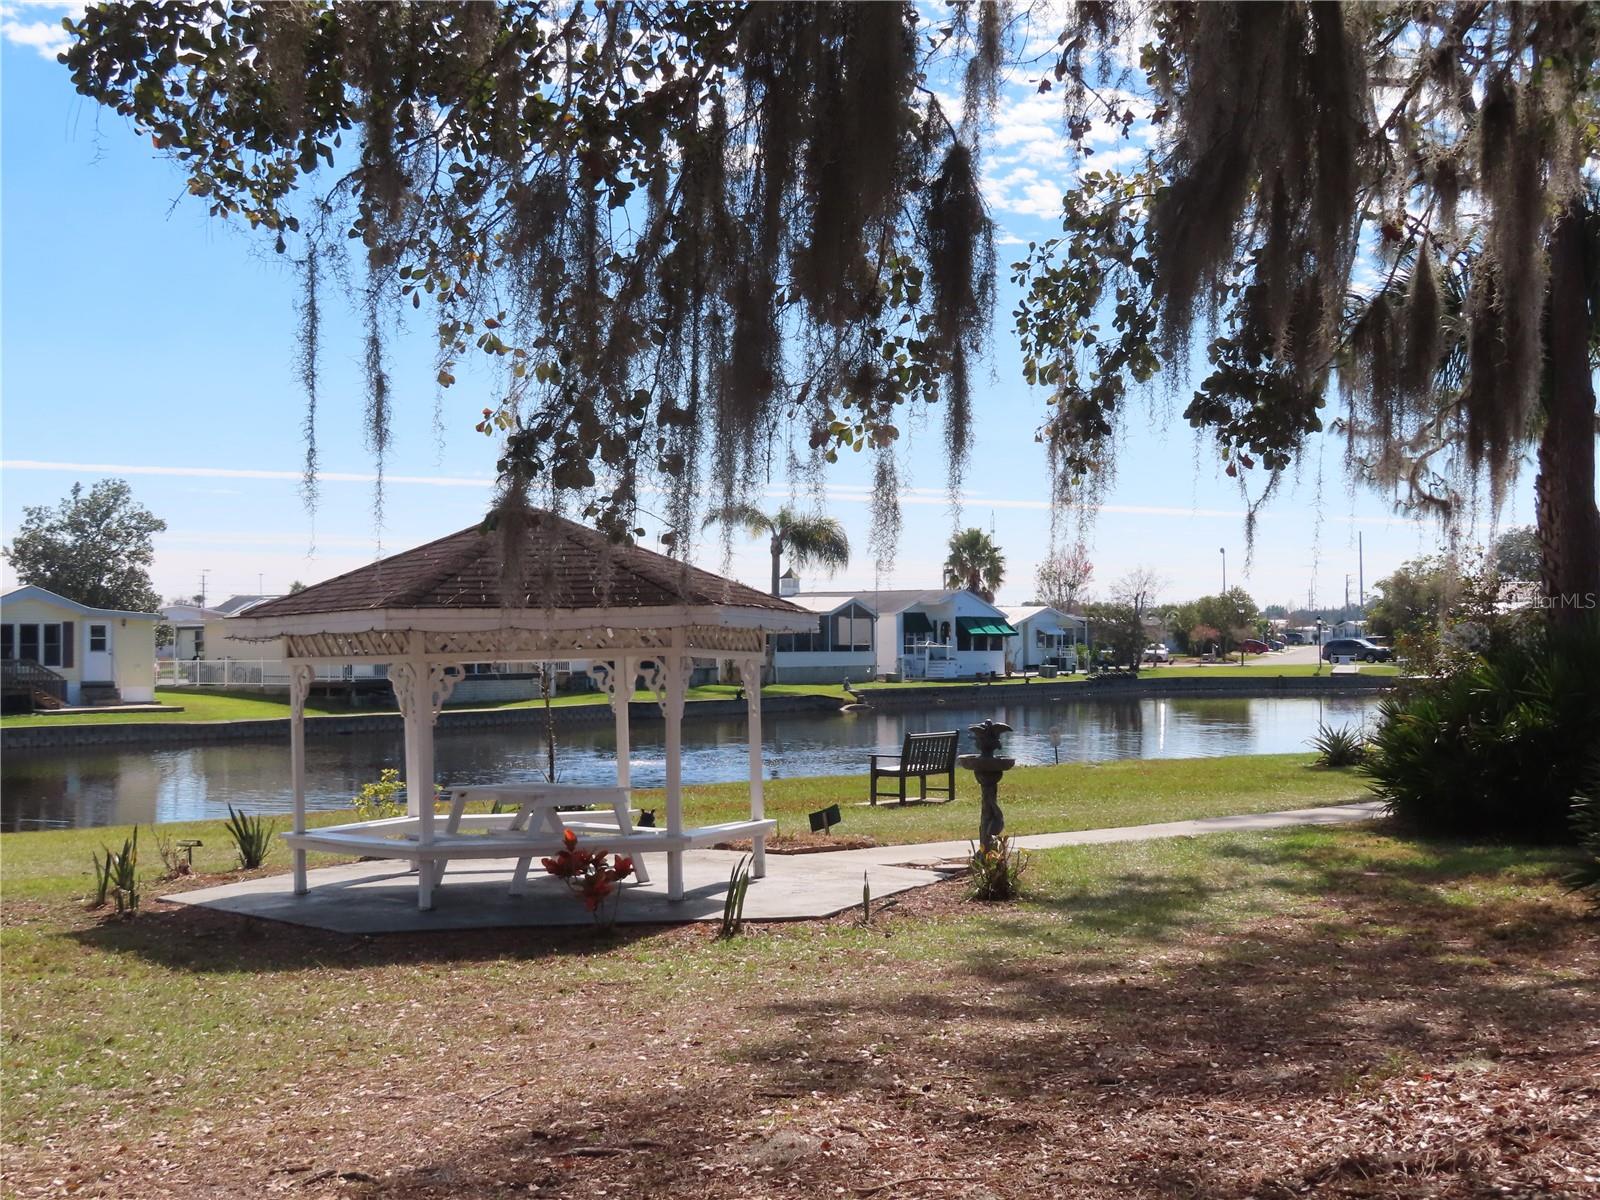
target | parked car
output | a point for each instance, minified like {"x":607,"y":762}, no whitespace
{"x":1155,"y":653}
{"x":1276,"y":643}
{"x":1356,"y":648}
{"x":1295,"y":638}
{"x":1254,"y":646}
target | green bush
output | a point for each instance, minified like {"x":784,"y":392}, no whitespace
{"x":1497,"y":746}
{"x":1339,"y":747}
{"x":376,"y":801}
{"x":996,"y":873}
{"x":1586,"y":825}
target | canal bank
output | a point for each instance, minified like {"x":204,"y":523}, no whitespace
{"x":577,"y":716}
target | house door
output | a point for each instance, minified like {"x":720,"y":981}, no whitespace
{"x":97,"y":662}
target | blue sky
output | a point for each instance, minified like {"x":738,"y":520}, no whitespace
{"x":140,"y":338}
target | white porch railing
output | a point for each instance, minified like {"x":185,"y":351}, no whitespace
{"x":252,"y":672}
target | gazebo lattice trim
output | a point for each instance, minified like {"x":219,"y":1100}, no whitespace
{"x":513,"y":642}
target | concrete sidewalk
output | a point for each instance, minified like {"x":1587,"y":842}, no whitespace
{"x":381,"y":897}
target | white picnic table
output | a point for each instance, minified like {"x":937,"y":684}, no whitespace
{"x":539,"y":812}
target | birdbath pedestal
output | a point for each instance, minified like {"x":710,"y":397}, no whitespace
{"x":988,"y":766}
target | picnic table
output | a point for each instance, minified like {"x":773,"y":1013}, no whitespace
{"x":540,"y":810}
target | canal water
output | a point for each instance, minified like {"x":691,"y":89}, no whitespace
{"x":44,"y":789}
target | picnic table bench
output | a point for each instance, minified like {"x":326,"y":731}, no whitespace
{"x":921,"y":755}
{"x":534,"y":828}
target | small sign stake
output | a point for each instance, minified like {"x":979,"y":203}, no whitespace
{"x":823,"y":820}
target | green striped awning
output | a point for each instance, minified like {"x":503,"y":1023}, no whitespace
{"x":987,"y":626}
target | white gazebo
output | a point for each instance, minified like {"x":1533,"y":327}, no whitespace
{"x":569,"y":594}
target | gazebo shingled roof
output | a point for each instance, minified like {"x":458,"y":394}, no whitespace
{"x":563,"y":565}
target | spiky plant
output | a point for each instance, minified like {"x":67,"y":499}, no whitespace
{"x":733,"y":903}
{"x":1344,"y":746}
{"x":252,"y":837}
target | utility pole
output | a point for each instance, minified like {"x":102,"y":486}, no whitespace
{"x":1361,"y":572}
{"x":1223,"y":550}
{"x":1347,"y":590}
{"x":203,"y":575}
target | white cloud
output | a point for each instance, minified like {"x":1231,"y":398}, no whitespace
{"x":449,"y":481}
{"x":37,"y":25}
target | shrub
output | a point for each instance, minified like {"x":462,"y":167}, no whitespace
{"x":377,"y":801}
{"x":174,"y":861}
{"x":591,"y":875}
{"x":1496,"y":746}
{"x":1586,"y":825}
{"x":252,"y":837}
{"x":1341,"y":747}
{"x":996,"y":873}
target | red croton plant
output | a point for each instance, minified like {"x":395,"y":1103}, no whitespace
{"x":592,"y":875}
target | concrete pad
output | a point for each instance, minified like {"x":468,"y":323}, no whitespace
{"x":381,"y":897}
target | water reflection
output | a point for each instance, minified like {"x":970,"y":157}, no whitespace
{"x":46,"y":788}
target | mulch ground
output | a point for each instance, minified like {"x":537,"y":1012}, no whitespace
{"x":1341,"y":1052}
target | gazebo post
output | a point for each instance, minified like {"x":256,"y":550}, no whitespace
{"x":621,"y":694}
{"x":673,"y":666}
{"x":750,"y":672}
{"x":421,"y":691}
{"x":300,"y":675}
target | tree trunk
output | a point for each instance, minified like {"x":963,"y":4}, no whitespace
{"x":777,"y":554}
{"x":1569,"y":522}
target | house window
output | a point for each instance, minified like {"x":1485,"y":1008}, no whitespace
{"x":8,"y":641}
{"x":97,"y":639}
{"x":852,"y":632}
{"x":52,"y":644}
{"x":28,"y":642}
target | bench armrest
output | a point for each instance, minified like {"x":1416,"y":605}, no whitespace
{"x":876,"y":756}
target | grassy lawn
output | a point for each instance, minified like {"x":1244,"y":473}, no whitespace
{"x":1307,"y":1012}
{"x":202,"y":705}
{"x":1036,"y":800}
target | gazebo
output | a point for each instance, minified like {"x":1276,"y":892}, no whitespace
{"x":552,"y":591}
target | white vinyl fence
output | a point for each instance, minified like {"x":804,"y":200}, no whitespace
{"x":252,"y":672}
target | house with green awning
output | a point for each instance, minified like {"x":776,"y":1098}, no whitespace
{"x":917,"y":633}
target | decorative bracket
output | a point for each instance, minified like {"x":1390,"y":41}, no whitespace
{"x":653,"y":673}
{"x":609,"y":677}
{"x":430,"y":691}
{"x":300,"y":677}
{"x":750,"y":669}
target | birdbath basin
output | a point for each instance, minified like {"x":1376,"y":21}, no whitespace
{"x":988,"y":767}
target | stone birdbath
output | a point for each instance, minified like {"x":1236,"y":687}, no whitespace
{"x":988,"y":766}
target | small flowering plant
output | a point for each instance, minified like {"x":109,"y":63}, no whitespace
{"x":592,"y":875}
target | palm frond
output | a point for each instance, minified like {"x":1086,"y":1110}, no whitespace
{"x":745,"y":516}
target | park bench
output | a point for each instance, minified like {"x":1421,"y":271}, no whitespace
{"x":921,"y":755}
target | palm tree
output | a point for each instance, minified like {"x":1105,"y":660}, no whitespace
{"x":808,"y":540}
{"x":975,"y":563}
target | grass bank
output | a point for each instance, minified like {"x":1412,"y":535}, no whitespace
{"x":1268,"y":1014}
{"x":208,"y":705}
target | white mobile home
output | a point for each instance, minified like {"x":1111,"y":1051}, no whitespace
{"x":842,"y":646}
{"x":1045,"y":635}
{"x":84,"y":655}
{"x":924,"y":633}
